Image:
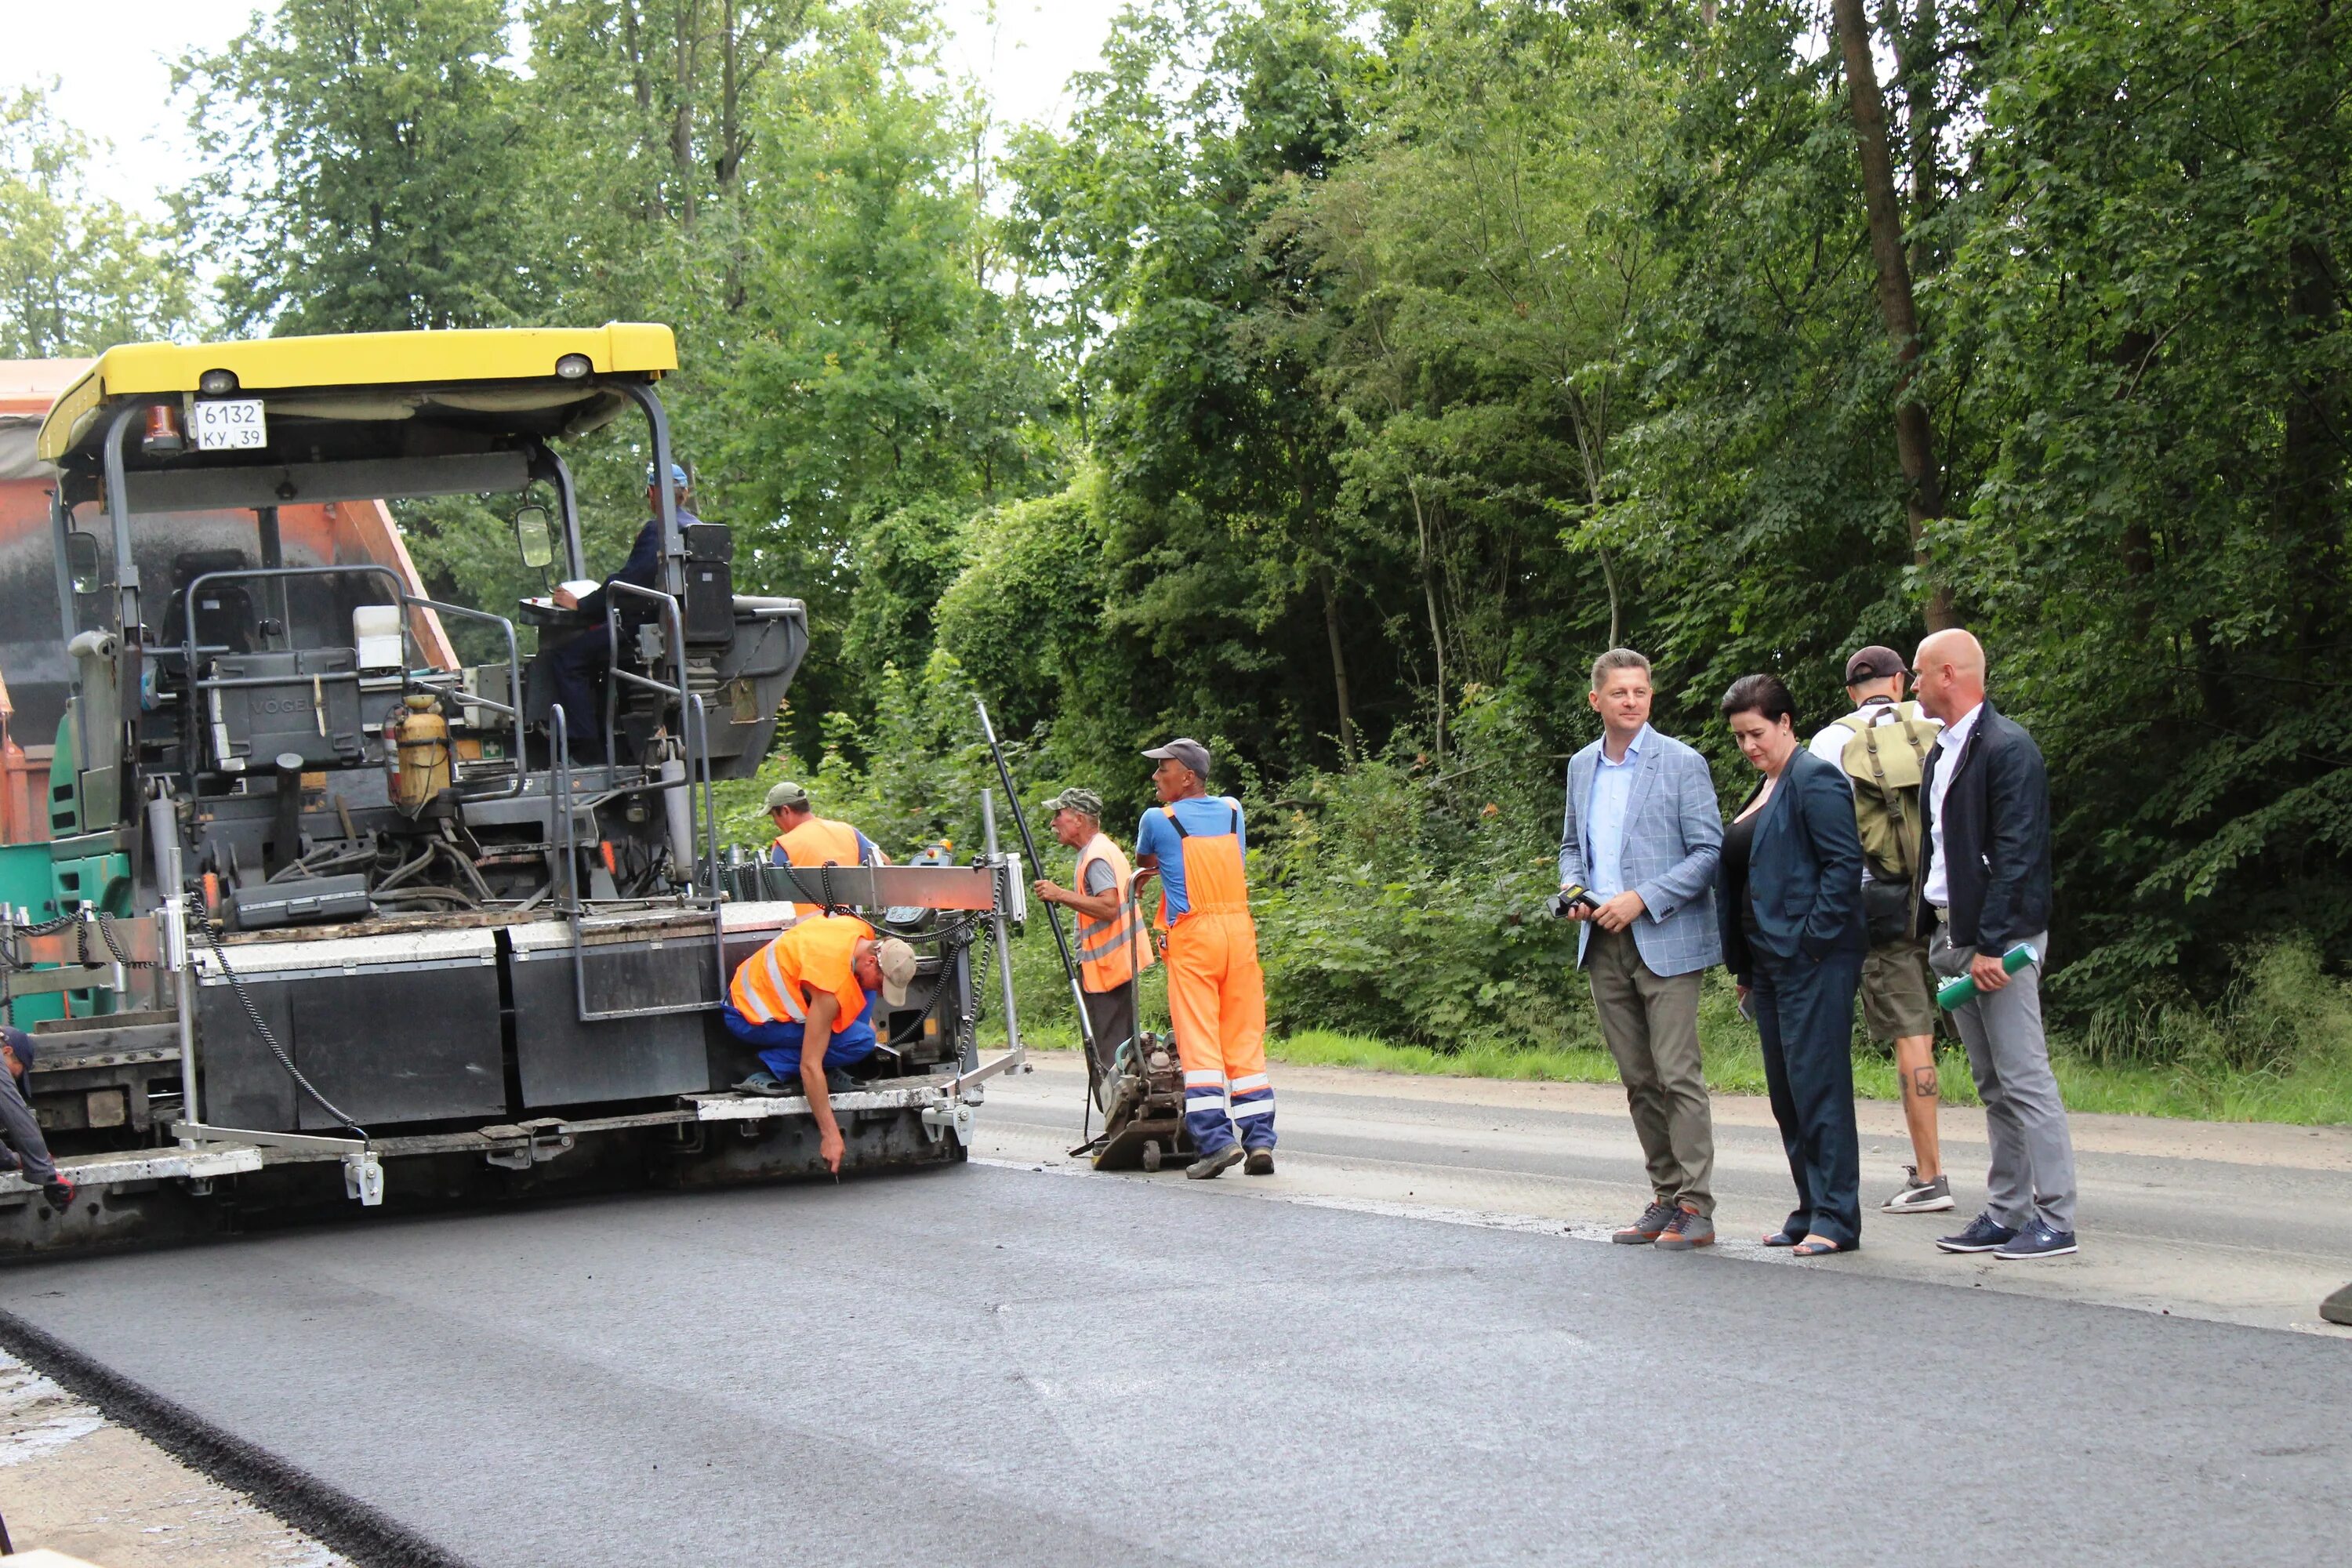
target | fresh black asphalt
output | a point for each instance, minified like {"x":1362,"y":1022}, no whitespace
{"x":992,"y":1366}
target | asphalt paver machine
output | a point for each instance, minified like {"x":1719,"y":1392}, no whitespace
{"x":315,"y":914}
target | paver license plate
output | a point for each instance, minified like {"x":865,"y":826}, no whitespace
{"x":230,"y":424}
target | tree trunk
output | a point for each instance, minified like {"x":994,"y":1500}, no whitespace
{"x":1429,"y":598}
{"x":1917,"y":56}
{"x":730,"y":99}
{"x":1915,"y":441}
{"x":681,"y":134}
{"x":1338,"y":663}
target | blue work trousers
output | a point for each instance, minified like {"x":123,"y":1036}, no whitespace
{"x":779,"y":1042}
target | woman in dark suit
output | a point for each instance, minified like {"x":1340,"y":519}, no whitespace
{"x":1791,"y":905}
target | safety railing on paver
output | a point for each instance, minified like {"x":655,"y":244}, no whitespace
{"x":694,"y":719}
{"x":201,"y":684}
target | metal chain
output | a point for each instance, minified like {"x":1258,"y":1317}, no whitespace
{"x":106,"y":934}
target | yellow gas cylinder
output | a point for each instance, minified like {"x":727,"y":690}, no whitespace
{"x":423,"y":740}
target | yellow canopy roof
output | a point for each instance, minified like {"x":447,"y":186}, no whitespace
{"x":375,"y":359}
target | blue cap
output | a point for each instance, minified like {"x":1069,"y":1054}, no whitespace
{"x":21,"y":1043}
{"x":677,"y":477}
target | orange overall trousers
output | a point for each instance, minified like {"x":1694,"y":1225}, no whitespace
{"x":1216,"y":997}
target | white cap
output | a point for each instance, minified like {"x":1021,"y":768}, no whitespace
{"x":896,"y":960}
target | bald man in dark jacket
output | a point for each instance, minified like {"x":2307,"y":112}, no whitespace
{"x":1984,"y":889}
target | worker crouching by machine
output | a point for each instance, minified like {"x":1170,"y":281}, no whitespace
{"x":28,"y":1152}
{"x":806,"y":1000}
{"x":1216,"y":993}
{"x":1112,"y":949}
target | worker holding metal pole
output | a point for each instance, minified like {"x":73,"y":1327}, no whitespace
{"x":1110,"y":955}
{"x":1053,"y":918}
{"x":1216,"y":993}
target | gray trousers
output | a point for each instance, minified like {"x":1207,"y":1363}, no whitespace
{"x":1651,"y":1021}
{"x":2033,"y":1170}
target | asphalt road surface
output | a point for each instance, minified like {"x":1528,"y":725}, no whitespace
{"x":2236,"y":1222}
{"x":996,"y":1364}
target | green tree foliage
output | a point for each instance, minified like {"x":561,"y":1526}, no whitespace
{"x":365,"y":158}
{"x":2161,"y":534}
{"x":1221,"y":501}
{"x":878,"y":390}
{"x":78,"y":272}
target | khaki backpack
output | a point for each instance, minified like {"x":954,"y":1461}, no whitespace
{"x":1885,"y":757}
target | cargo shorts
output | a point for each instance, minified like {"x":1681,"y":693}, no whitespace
{"x":1899,"y":991}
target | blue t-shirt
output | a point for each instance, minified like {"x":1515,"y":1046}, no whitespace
{"x":1207,"y":816}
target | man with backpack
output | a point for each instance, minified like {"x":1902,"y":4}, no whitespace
{"x":1882,"y":747}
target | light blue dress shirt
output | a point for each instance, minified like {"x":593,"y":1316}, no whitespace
{"x":1612,"y":787}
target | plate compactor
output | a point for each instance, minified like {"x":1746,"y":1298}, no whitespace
{"x":1143,"y":1110}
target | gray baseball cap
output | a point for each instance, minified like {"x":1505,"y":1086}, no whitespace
{"x":788,"y":795}
{"x":1185,"y":749}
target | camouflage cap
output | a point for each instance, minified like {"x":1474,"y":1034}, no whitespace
{"x":1085,"y":802}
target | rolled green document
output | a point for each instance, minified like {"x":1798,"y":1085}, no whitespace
{"x":1958,"y":993}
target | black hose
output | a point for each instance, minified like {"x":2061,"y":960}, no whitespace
{"x":253,"y":1016}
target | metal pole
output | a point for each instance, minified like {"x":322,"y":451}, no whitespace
{"x":1004,"y":944}
{"x":1053,"y":916}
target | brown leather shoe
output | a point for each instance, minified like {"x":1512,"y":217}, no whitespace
{"x":1648,"y":1228}
{"x":1688,"y":1230}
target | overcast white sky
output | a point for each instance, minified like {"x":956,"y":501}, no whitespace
{"x":114,"y":80}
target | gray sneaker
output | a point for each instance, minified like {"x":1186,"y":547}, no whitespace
{"x":1687,"y":1232}
{"x":1648,"y":1228}
{"x":1918,"y":1196}
{"x":1208,"y":1167}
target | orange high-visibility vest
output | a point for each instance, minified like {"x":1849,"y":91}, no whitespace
{"x":777,"y":983}
{"x":821,"y":841}
{"x":1111,"y":951}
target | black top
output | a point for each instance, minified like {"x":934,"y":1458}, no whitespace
{"x":1801,"y":899}
{"x":1738,"y":839}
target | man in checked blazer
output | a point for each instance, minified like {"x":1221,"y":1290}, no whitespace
{"x":1643,"y":836}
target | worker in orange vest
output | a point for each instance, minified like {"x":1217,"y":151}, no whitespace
{"x":804,"y":838}
{"x":1112,"y":945}
{"x":806,"y":1002}
{"x":1216,"y":993}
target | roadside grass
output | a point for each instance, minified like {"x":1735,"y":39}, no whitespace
{"x":2320,"y":1094}
{"x":2279,"y":1048}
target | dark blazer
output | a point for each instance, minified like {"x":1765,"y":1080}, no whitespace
{"x":1805,"y":873}
{"x":1996,"y":821}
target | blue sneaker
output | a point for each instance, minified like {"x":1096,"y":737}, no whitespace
{"x":1984,"y":1234}
{"x":2038,"y":1240}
